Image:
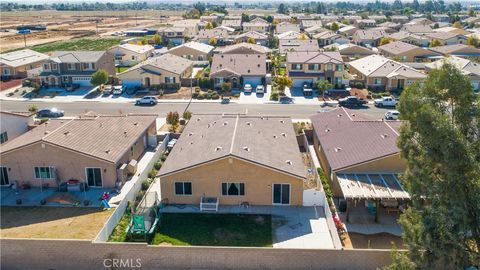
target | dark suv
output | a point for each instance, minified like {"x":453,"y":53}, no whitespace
{"x":351,"y":101}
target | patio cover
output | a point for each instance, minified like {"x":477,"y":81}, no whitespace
{"x":371,"y":186}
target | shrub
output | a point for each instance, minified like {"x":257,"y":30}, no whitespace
{"x":215,"y":96}
{"x":325,"y":184}
{"x":182,"y":122}
{"x":274,"y":96}
{"x":152,"y":173}
{"x":201,"y":96}
{"x":187,"y":115}
{"x":163,"y":157}
{"x":359,"y":85}
{"x":33,"y":108}
{"x":158,"y":165}
{"x":145,"y":184}
{"x":195,"y":95}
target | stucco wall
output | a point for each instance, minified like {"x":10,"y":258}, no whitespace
{"x":206,"y":180}
{"x":181,"y":51}
{"x":14,"y":125}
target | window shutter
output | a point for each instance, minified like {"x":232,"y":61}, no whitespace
{"x":242,"y":189}
{"x":224,"y":189}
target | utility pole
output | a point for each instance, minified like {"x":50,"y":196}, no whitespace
{"x":25,"y":39}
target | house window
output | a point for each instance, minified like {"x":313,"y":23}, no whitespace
{"x":338,"y":80}
{"x":54,"y":66}
{"x":44,"y":172}
{"x":339,"y":67}
{"x":3,"y":137}
{"x":329,"y":67}
{"x":296,"y":66}
{"x":218,"y":80}
{"x":377,"y":81}
{"x":403,"y":58}
{"x":313,"y":67}
{"x":169,"y":79}
{"x":70,"y":66}
{"x":183,"y":188}
{"x":200,"y":58}
{"x":94,"y":177}
{"x":233,"y":189}
{"x":6,"y":71}
{"x":133,"y":57}
{"x":46,"y":66}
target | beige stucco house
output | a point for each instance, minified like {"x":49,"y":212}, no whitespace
{"x":195,"y":51}
{"x":405,"y":52}
{"x":131,"y":54}
{"x":14,"y":124}
{"x":237,"y":160}
{"x":165,"y":71}
{"x":16,"y":64}
{"x":90,"y":148}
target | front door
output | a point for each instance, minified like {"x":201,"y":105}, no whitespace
{"x":400,"y":83}
{"x":4,"y":176}
{"x":281,"y":194}
{"x":147,"y":82}
{"x":94,"y":177}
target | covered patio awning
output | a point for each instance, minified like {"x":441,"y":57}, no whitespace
{"x":371,"y":186}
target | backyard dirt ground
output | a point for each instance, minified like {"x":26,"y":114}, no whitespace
{"x":52,"y":222}
{"x":377,"y":241}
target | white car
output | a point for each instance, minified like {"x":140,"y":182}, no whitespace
{"x":117,"y":90}
{"x":260,"y":89}
{"x":247,"y":88}
{"x":147,"y":100}
{"x":171,"y":144}
{"x":107,"y":90}
{"x":385,"y":102}
{"x":392,"y":115}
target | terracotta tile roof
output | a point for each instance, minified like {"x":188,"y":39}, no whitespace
{"x":102,"y":137}
{"x":347,"y":139}
{"x":267,"y":141}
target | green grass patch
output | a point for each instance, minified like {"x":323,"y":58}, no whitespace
{"x":214,"y":230}
{"x":121,"y":69}
{"x":119,"y":234}
{"x":82,"y":44}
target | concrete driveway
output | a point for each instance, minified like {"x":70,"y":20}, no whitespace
{"x":253,"y":98}
{"x":297,"y":95}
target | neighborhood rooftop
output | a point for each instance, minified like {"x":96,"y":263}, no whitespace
{"x":22,"y":57}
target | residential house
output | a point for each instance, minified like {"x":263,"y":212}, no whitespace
{"x":92,"y":149}
{"x":173,"y":35}
{"x":380,"y":73}
{"x":305,"y":24}
{"x":297,"y":45}
{"x":378,"y":18}
{"x":349,"y":51}
{"x":221,"y":36}
{"x":286,"y":27}
{"x":414,"y":39}
{"x":423,"y":21}
{"x":260,"y":38}
{"x":257,"y":24}
{"x":190,"y":26}
{"x":469,"y":68}
{"x":14,"y":124}
{"x":235,"y":24}
{"x":195,"y":51}
{"x":65,"y":68}
{"x":165,"y":71}
{"x":461,"y":50}
{"x":368,"y":37}
{"x":365,"y":23}
{"x":243,"y":48}
{"x":282,"y":18}
{"x":359,"y":156}
{"x":405,"y":52}
{"x":229,"y":29}
{"x":308,"y":67}
{"x":418,"y":29}
{"x":314,"y":30}
{"x":352,"y":18}
{"x":329,"y":18}
{"x":16,"y":64}
{"x":402,"y":19}
{"x":387,"y":30}
{"x":291,"y":35}
{"x":444,"y":18}
{"x":130,"y":54}
{"x":235,"y":160}
{"x":447,"y":38}
{"x":475,"y":21}
{"x":210,"y":18}
{"x":451,"y":29}
{"x":329,"y":37}
{"x":238,"y":69}
{"x":391,"y":25}
{"x":347,"y":31}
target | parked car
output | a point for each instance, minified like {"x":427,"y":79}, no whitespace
{"x":147,"y":100}
{"x":351,"y":101}
{"x":107,"y":90}
{"x":247,"y":88}
{"x":117,"y":90}
{"x":392,"y":115}
{"x":260,"y":89}
{"x":286,"y":100}
{"x":50,"y":113}
{"x":171,"y":144}
{"x":337,"y":93}
{"x":385,"y":102}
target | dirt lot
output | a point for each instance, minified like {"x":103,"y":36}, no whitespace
{"x":377,"y":241}
{"x":52,"y":222}
{"x":182,"y":93}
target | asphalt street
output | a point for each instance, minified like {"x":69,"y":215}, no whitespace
{"x":296,"y":111}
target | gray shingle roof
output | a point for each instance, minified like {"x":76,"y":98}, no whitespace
{"x":267,"y":141}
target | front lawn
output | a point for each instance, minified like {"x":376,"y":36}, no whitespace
{"x":121,"y":69}
{"x":214,"y":230}
{"x":82,"y":44}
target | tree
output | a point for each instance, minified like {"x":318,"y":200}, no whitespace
{"x":272,"y":41}
{"x":334,"y":27}
{"x":251,"y":40}
{"x":303,"y":36}
{"x":99,"y":77}
{"x":173,"y":118}
{"x":436,"y":26}
{"x":245,"y":17}
{"x":458,"y":25}
{"x":471,"y":12}
{"x":435,"y":43}
{"x":144,"y":41}
{"x":209,"y":25}
{"x":473,"y":41}
{"x":386,"y":40}
{"x":213,"y":41}
{"x":282,"y":9}
{"x":323,"y":85}
{"x":169,"y":44}
{"x":226,"y":87}
{"x":157,"y":39}
{"x":439,"y":142}
{"x":187,"y":115}
{"x":283,"y":81}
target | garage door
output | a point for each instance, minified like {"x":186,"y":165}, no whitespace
{"x":298,"y":83}
{"x":254,"y":81}
{"x":82,"y":81}
{"x":131,"y":83}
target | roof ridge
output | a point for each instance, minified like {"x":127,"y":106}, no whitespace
{"x":44,"y":138}
{"x":233,"y":135}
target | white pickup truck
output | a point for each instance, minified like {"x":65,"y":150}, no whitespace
{"x":385,"y":102}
